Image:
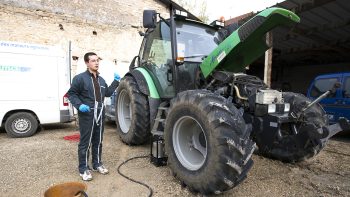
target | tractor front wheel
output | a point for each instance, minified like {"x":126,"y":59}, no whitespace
{"x":296,"y":144}
{"x":207,"y":142}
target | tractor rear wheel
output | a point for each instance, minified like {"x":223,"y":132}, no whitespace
{"x":296,"y":144}
{"x":207,"y":142}
{"x":132,"y":113}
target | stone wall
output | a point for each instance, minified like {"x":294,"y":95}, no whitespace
{"x":56,"y":22}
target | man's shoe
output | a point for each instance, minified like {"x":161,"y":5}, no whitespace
{"x":86,"y":176}
{"x":101,"y":169}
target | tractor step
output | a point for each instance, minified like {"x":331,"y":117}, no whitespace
{"x":158,"y":157}
{"x":159,"y":120}
{"x":159,"y":133}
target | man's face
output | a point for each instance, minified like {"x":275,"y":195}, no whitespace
{"x":93,"y":63}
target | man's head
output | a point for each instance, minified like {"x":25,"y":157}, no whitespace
{"x":91,"y":61}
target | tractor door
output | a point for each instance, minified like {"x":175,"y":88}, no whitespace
{"x":157,"y":59}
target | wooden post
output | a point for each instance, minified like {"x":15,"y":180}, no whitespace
{"x":268,"y":60}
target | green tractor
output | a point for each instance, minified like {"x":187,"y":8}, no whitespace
{"x":186,"y":93}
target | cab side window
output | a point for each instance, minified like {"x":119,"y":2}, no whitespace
{"x":157,"y":56}
{"x":346,"y":91}
{"x":158,"y":45}
{"x":322,"y":85}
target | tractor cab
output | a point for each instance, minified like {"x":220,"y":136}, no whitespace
{"x":175,"y":70}
{"x":180,"y":52}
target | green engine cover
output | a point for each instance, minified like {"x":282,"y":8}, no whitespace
{"x":247,"y":43}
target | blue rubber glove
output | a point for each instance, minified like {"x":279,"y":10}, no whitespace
{"x":116,"y":77}
{"x":84,"y":108}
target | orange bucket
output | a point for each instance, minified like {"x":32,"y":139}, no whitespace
{"x":69,"y":189}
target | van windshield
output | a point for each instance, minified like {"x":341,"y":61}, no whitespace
{"x":195,"y":41}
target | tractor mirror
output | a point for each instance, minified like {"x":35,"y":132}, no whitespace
{"x":149,"y":18}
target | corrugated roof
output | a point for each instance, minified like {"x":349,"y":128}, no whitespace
{"x":323,"y":35}
{"x":324,"y":31}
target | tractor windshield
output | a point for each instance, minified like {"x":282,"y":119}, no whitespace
{"x":194,"y":40}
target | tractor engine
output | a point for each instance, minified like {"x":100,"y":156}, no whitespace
{"x":285,"y":126}
{"x":248,"y":92}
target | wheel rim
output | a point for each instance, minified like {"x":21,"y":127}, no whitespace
{"x":124,"y":111}
{"x":21,"y":125}
{"x":190,"y":143}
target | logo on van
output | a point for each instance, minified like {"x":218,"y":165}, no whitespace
{"x":14,"y":68}
{"x":19,"y":45}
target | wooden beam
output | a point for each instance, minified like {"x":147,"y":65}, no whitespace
{"x":268,"y":60}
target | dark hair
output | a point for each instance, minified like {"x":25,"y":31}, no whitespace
{"x":86,"y":56}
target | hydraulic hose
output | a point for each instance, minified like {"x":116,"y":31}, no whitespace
{"x":131,"y":179}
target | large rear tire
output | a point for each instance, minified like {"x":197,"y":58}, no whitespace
{"x":207,"y":142}
{"x":132,"y":113}
{"x":296,"y":144}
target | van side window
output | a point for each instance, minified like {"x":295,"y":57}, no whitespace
{"x":322,"y":85}
{"x":346,"y":87}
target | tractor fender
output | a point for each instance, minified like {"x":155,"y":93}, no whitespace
{"x":144,"y":82}
{"x":147,"y":87}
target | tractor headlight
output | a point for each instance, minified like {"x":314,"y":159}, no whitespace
{"x":286,"y":107}
{"x":271,"y":108}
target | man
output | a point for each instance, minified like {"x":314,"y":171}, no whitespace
{"x":87,"y":94}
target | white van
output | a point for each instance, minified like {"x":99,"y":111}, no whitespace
{"x":33,"y":82}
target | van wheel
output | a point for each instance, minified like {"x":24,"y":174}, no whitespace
{"x":21,"y":124}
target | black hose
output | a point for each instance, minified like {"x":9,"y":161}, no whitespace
{"x":133,"y":180}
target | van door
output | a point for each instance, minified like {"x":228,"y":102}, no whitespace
{"x":332,"y":102}
{"x":344,"y":110}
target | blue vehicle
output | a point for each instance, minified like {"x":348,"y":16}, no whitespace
{"x":336,"y":104}
{"x":110,"y":107}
